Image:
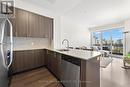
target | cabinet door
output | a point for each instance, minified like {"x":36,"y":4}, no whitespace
{"x":33,"y":28}
{"x":41,"y":28}
{"x":59,"y":56}
{"x":47,"y":59}
{"x":53,"y":61}
{"x":48,"y":26}
{"x":21,"y":23}
{"x":36,"y":26}
{"x":26,"y":60}
{"x":20,"y":61}
{"x":39,"y":56}
{"x":50,"y":57}
{"x":56,"y":64}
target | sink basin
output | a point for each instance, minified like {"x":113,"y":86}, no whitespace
{"x":63,"y":50}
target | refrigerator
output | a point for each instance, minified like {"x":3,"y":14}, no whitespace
{"x":6,"y":52}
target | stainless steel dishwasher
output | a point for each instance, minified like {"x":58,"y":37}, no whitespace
{"x":70,"y":75}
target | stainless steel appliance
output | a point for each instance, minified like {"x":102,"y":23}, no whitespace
{"x":6,"y":53}
{"x":70,"y":75}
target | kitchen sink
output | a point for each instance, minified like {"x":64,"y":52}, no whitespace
{"x":63,"y":50}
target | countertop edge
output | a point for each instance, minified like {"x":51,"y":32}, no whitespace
{"x":54,"y":50}
{"x":73,"y":55}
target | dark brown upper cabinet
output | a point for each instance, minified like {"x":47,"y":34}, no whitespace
{"x":21,"y":23}
{"x":36,"y":26}
{"x":28,"y":24}
{"x":48,"y":26}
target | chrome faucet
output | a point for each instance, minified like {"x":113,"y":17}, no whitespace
{"x":67,"y":43}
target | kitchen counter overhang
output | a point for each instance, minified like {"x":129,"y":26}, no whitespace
{"x":80,"y":54}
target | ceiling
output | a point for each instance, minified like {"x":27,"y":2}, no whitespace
{"x":59,"y":6}
{"x":88,"y":12}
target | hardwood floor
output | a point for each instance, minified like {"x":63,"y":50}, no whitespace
{"x":35,"y":78}
{"x":114,"y":75}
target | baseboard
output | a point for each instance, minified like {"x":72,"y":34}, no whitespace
{"x":26,"y":70}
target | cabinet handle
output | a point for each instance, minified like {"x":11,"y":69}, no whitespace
{"x":60,"y":59}
{"x":16,"y":34}
{"x":47,"y":52}
{"x":54,"y":54}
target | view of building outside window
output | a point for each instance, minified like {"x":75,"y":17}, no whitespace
{"x":96,"y":39}
{"x":110,"y":40}
{"x":117,"y":41}
{"x":106,"y":40}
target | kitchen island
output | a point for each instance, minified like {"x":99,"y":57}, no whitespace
{"x":81,"y":68}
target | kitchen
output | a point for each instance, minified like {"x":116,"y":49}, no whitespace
{"x":45,"y":48}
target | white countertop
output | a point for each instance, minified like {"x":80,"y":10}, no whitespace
{"x":28,"y":48}
{"x":82,"y":54}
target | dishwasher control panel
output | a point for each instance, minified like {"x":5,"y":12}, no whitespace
{"x":72,"y":60}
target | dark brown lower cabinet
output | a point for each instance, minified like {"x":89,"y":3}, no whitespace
{"x":53,"y":60}
{"x":27,"y":59}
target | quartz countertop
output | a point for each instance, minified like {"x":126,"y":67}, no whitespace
{"x":28,"y":48}
{"x":81,"y":54}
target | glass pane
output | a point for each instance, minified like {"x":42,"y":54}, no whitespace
{"x":96,"y":39}
{"x":106,"y":40}
{"x":117,"y":41}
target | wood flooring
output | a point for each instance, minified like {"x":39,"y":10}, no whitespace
{"x":111,"y":76}
{"x":35,"y":78}
{"x":114,"y":75}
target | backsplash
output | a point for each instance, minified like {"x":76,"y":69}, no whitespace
{"x":26,"y":43}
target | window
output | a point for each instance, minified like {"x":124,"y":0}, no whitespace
{"x":106,"y":40}
{"x":110,"y":40}
{"x":117,"y":41}
{"x":96,"y":39}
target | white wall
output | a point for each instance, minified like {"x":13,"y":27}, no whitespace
{"x":78,"y":35}
{"x":45,"y":12}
